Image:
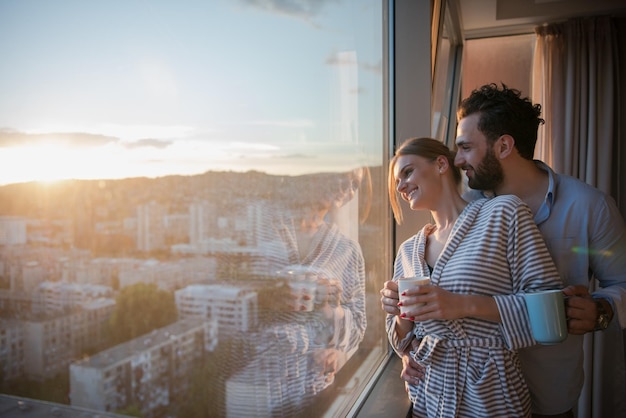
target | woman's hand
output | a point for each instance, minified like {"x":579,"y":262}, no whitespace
{"x":389,"y":298}
{"x":328,"y":292}
{"x":433,"y":302}
{"x":389,"y":301}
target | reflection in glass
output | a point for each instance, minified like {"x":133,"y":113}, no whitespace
{"x":212,"y":243}
{"x":311,"y":310}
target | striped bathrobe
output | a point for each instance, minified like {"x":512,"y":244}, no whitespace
{"x":471,"y":365}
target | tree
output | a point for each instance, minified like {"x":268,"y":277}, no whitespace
{"x":141,"y":308}
{"x":206,"y":396}
{"x":131,"y":411}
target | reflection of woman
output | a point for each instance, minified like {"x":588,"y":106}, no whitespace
{"x":299,"y":350}
{"x":481,"y":256}
{"x":338,"y":320}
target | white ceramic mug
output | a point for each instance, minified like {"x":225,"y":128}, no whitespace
{"x":303,"y":292}
{"x":405,"y":283}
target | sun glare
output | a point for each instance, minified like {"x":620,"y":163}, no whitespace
{"x":43,"y":162}
{"x":47,"y":163}
{"x":50,"y":182}
{"x":53,"y":162}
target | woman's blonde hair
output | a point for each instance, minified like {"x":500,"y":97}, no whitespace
{"x":428,"y":148}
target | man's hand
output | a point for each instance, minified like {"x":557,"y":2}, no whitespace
{"x":580,"y":310}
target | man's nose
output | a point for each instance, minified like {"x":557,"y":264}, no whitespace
{"x":459,"y":161}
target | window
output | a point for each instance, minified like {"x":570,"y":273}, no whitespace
{"x":462,"y":65}
{"x":447,"y":60}
{"x":226,"y":154}
{"x":503,"y":59}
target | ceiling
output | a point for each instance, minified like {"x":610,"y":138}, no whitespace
{"x":480,"y":18}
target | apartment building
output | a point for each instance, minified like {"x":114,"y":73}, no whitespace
{"x":52,"y":342}
{"x":12,"y":230}
{"x":11,"y":349}
{"x":17,"y":304}
{"x":150,"y":227}
{"x":40,"y":348}
{"x":57,"y":296}
{"x":170,"y":275}
{"x":202,"y":221}
{"x":234,"y":308}
{"x":150,"y":371}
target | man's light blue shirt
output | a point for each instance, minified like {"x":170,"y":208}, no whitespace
{"x":586,"y":236}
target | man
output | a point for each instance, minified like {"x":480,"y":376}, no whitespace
{"x":582,"y":227}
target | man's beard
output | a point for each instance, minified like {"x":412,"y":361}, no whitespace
{"x":488,"y":174}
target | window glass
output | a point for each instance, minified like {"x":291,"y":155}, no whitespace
{"x":503,"y":59}
{"x":193,"y":216}
{"x":441,"y":88}
{"x":446,"y":83}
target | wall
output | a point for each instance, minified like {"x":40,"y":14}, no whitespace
{"x":620,"y":193}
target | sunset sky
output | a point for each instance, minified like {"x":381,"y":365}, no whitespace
{"x":124,"y":88}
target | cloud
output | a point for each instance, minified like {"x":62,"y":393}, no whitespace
{"x":341,"y":58}
{"x":297,"y":156}
{"x":153,"y":143}
{"x":374,"y":68}
{"x":294,"y":123}
{"x":349,"y":59}
{"x":12,"y":138}
{"x":74,"y":140}
{"x":254,"y":146}
{"x":301,"y":9}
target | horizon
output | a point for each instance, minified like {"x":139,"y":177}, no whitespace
{"x":224,"y":171}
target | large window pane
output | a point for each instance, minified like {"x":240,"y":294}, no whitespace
{"x":193,"y":218}
{"x":503,"y":59}
{"x":446,"y":85}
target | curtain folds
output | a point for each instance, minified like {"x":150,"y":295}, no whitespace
{"x":575,"y":78}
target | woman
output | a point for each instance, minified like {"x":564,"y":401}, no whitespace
{"x":481,"y":256}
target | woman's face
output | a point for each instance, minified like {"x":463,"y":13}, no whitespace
{"x":417,"y":180}
{"x":348,"y":186}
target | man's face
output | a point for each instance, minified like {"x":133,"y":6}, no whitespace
{"x":476,"y":157}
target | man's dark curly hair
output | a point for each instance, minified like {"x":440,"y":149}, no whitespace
{"x":503,"y":111}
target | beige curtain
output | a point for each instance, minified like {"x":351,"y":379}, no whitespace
{"x":575,"y":78}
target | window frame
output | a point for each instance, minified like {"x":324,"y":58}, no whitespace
{"x":409,"y":88}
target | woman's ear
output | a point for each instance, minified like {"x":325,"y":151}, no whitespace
{"x":442,"y":163}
